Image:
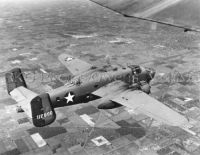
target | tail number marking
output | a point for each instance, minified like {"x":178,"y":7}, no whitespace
{"x":44,"y":115}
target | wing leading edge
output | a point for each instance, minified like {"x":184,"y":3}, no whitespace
{"x":179,"y":13}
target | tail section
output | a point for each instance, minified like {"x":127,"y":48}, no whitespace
{"x":37,"y":107}
{"x":42,"y":111}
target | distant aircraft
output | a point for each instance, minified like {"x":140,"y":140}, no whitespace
{"x":117,"y":86}
{"x":178,"y":13}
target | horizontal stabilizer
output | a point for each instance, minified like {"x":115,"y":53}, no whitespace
{"x":23,"y":96}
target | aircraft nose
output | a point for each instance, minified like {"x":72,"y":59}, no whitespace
{"x":151,"y":72}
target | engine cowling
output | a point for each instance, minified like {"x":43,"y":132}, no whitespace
{"x":109,"y":105}
{"x":145,"y":87}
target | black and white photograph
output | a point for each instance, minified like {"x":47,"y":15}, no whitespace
{"x":99,"y":77}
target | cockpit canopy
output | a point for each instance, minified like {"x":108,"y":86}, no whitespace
{"x":136,"y":69}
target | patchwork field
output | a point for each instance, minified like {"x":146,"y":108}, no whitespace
{"x":33,"y":34}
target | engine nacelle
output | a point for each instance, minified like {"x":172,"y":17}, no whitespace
{"x":109,"y":105}
{"x":145,"y":87}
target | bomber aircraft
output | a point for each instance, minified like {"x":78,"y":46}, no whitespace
{"x":117,"y":86}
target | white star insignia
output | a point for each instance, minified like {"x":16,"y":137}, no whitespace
{"x":69,"y":97}
{"x":68,"y":59}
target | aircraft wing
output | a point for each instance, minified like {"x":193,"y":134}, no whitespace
{"x":111,"y":90}
{"x":179,"y":13}
{"x":142,"y":103}
{"x":74,"y":65}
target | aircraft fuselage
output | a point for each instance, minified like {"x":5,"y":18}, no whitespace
{"x":79,"y":89}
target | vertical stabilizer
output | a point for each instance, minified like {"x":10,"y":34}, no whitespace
{"x":42,"y":111}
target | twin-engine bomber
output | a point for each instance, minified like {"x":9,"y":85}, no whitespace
{"x":117,"y":86}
